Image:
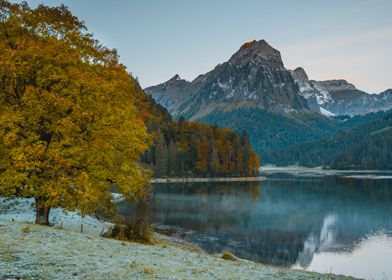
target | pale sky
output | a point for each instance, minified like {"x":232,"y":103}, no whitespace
{"x":156,"y":39}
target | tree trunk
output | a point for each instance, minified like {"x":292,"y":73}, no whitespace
{"x":46,"y":216}
{"x":41,"y":212}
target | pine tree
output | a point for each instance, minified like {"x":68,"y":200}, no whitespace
{"x":161,"y":155}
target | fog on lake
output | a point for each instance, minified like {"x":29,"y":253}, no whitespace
{"x":336,"y":223}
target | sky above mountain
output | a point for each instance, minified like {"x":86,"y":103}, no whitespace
{"x":348,"y":39}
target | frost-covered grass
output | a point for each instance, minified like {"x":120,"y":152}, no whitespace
{"x":29,"y":251}
{"x":22,"y":210}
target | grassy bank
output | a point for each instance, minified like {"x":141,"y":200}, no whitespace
{"x":29,"y":251}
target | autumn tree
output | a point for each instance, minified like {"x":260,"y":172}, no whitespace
{"x":69,"y":128}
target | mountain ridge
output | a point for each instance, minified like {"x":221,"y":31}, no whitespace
{"x":254,"y":76}
{"x":256,"y":65}
{"x":253,"y":91}
{"x":340,"y":97}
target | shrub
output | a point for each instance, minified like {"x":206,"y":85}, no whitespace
{"x":26,"y":229}
{"x":131,"y":232}
{"x":229,"y":256}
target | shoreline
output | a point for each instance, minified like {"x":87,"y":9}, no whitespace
{"x":54,"y":252}
{"x":30,"y":251}
{"x":207,"y":180}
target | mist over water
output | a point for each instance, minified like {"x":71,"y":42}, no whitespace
{"x":335,"y":223}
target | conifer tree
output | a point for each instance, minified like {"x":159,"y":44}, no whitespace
{"x":161,"y":155}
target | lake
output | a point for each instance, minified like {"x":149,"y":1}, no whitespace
{"x":337,"y":223}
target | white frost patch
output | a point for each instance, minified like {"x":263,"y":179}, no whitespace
{"x":48,"y":253}
{"x":22,"y":210}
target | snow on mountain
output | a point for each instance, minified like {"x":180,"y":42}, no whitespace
{"x":339,"y":97}
{"x":326,"y":112}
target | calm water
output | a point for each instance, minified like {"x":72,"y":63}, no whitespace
{"x":339,"y":224}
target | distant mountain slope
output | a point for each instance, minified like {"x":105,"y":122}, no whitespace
{"x":340,"y":97}
{"x":366,"y":146}
{"x":270,"y":131}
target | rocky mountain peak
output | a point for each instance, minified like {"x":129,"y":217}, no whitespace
{"x":257,"y":52}
{"x":174,"y":82}
{"x":175,"y":78}
{"x":300,"y":75}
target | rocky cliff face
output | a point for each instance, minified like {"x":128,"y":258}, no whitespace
{"x":309,"y":91}
{"x":339,"y":97}
{"x":254,"y":77}
{"x":170,"y":94}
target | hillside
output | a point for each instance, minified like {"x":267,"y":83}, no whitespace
{"x":365,"y":146}
{"x":270,"y":133}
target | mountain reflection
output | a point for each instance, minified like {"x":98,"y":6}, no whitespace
{"x":283,"y":221}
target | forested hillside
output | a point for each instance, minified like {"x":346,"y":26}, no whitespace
{"x":272,"y":133}
{"x":186,"y":148}
{"x":366,"y":146}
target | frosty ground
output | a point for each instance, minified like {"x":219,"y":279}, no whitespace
{"x":29,"y":251}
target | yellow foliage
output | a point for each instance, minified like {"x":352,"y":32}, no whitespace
{"x":69,"y":127}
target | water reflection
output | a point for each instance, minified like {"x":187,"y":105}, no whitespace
{"x":324,"y":242}
{"x":370,"y":259}
{"x":285,"y":220}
